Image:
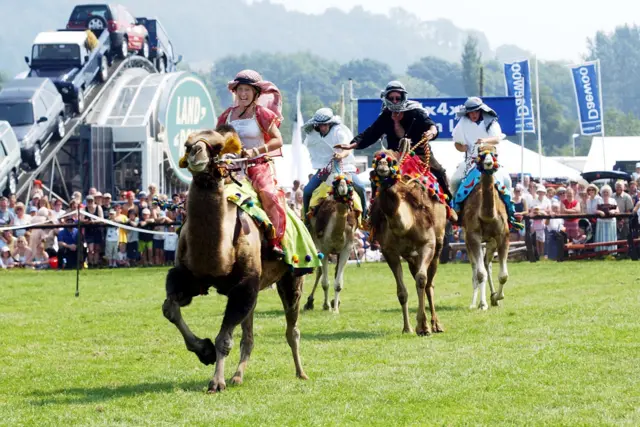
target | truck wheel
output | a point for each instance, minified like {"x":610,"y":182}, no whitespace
{"x":124,"y":48}
{"x":103,"y":74}
{"x":160,"y":65}
{"x":12,"y":184}
{"x":35,"y":159}
{"x":79,"y":105}
{"x":144,"y":51}
{"x":60,"y":131}
{"x":97,"y":24}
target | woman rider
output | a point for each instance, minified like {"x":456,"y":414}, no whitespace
{"x":401,"y":118}
{"x":324,"y":131}
{"x":256,"y":116}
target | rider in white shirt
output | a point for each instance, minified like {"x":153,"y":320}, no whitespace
{"x":324,"y":131}
{"x":478,"y":126}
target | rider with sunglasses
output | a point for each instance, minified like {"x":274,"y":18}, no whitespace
{"x":401,"y":118}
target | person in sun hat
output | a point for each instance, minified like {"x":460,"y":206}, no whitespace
{"x":636,"y":174}
{"x":402,"y":118}
{"x":256,"y":115}
{"x":478,"y":125}
{"x":323,"y":132}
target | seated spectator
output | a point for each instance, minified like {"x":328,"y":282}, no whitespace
{"x":57,"y":211}
{"x":5,"y":214}
{"x":20,"y":219}
{"x":39,"y":259}
{"x":67,"y":243}
{"x":8,"y":240}
{"x":23,"y":253}
{"x":6,"y":260}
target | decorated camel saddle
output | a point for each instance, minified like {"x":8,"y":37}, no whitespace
{"x":474,"y":177}
{"x":407,"y":167}
{"x":338,"y":186}
{"x":300,"y":252}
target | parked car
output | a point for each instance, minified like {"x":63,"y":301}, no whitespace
{"x":35,"y":110}
{"x":126,"y":35}
{"x":161,"y":53}
{"x":9,"y":159}
{"x":73,"y":60}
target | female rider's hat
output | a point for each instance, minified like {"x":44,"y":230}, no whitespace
{"x":324,"y":116}
{"x":475,"y":104}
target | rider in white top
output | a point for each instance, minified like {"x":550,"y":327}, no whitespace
{"x":478,"y":125}
{"x":324,"y":131}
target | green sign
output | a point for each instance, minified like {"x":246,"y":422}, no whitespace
{"x":189,"y":109}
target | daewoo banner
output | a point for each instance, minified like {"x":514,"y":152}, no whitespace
{"x":586,"y":83}
{"x":518,"y":82}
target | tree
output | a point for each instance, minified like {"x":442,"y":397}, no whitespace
{"x":619,"y":124}
{"x":471,"y":63}
{"x":445,"y":76}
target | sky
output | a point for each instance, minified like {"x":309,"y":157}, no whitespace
{"x":551,"y":29}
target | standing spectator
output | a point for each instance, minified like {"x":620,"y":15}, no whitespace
{"x":93,"y":235}
{"x":551,"y":194}
{"x":129,"y":203}
{"x":298,"y":202}
{"x":593,"y":199}
{"x":13,"y":199}
{"x":132,"y":238}
{"x":38,"y":235}
{"x":57,"y":211}
{"x":111,"y":241}
{"x":625,"y":205}
{"x":606,"y":230}
{"x":296,"y":186}
{"x":521,"y":208}
{"x":170,"y":245}
{"x":106,"y":202}
{"x":159,"y":217}
{"x":8,"y":240}
{"x":541,"y":205}
{"x":142,"y":199}
{"x":633,"y":191}
{"x":145,"y":247}
{"x":570,"y":205}
{"x":20,"y":219}
{"x":636,"y":174}
{"x":561,"y":195}
{"x":122,"y":235}
{"x":153,"y":191}
{"x":5,"y":214}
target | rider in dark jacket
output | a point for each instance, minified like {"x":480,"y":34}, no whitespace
{"x":402,"y":118}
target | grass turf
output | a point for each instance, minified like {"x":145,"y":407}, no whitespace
{"x":562,"y":349}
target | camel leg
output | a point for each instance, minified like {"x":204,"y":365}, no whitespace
{"x":246,"y":345}
{"x":176,"y":298}
{"x":241,"y":301}
{"x":431,"y":274}
{"x":488,"y":265}
{"x":419,"y":271}
{"x":339,"y":279}
{"x":393,"y":260}
{"x":503,"y":254}
{"x":474,"y":251}
{"x":290,"y":291}
{"x":309,"y":304}
{"x":325,"y":282}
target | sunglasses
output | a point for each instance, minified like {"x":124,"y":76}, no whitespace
{"x":394,"y":98}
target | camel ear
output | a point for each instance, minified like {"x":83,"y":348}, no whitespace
{"x":232,"y":144}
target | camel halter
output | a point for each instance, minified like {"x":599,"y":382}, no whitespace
{"x":480,"y":161}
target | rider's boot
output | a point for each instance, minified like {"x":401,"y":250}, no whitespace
{"x":276,"y":248}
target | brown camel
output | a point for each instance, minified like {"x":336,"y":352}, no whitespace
{"x":408,"y":223}
{"x":485,"y":220}
{"x":220,"y":247}
{"x":333,"y":229}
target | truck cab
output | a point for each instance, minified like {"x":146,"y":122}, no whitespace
{"x":72,"y":60}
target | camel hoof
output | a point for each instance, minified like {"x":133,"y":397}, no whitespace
{"x":423,"y":332}
{"x":436,"y":327}
{"x":236,"y":380}
{"x":206,"y":351}
{"x":333,"y":304}
{"x":309,"y":305}
{"x":407,"y":330}
{"x":483,"y":306}
{"x":495,"y":300}
{"x":216,"y":388}
{"x":325,"y":306}
{"x":302,"y":376}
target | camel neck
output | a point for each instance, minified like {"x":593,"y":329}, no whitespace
{"x":487,"y":210}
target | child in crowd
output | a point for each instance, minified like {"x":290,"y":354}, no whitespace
{"x":145,"y":246}
{"x":112,"y":239}
{"x":6,"y":260}
{"x":170,"y":245}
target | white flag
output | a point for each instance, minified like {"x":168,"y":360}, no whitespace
{"x":296,"y":140}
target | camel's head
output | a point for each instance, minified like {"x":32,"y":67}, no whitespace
{"x":385,"y":168}
{"x":342,"y":190}
{"x":487,"y":160}
{"x":210,"y":151}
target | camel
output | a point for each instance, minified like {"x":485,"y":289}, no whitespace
{"x":409,"y":223}
{"x":218,"y":246}
{"x":333,"y":229}
{"x":485,"y":220}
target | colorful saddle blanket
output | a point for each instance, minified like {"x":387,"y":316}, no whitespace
{"x":414,"y":168}
{"x":300,"y":251}
{"x":470,"y":182}
{"x":323,"y":191}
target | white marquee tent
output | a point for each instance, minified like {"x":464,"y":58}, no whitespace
{"x":618,"y":148}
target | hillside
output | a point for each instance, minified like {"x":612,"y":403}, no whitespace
{"x":206,"y":30}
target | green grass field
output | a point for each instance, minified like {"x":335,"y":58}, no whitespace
{"x":563,"y":348}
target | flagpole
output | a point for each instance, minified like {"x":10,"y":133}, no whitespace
{"x":538,"y":112}
{"x":522,"y":141}
{"x":604,"y":152}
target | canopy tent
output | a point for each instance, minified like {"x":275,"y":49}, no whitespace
{"x":284,"y":165}
{"x":509,"y":157}
{"x":618,"y":148}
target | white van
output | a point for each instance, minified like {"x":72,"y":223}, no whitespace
{"x":10,"y":159}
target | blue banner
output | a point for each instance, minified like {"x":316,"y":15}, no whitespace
{"x":443,"y":112}
{"x":518,"y":81}
{"x":586,"y":83}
